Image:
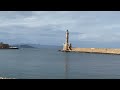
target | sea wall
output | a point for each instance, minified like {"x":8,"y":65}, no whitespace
{"x":97,"y":50}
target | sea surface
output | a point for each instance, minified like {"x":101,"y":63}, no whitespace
{"x":49,"y":63}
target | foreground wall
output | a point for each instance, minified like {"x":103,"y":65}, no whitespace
{"x":97,"y":50}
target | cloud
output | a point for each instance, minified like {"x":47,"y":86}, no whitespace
{"x":48,"y":27}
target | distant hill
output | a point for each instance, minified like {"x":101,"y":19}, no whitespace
{"x":23,"y":46}
{"x":37,"y":46}
{"x":26,"y":46}
{"x":45,"y":46}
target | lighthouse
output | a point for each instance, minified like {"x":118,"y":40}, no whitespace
{"x":66,"y":45}
{"x":67,"y":37}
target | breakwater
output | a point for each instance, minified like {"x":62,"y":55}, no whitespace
{"x":95,"y":50}
{"x":67,"y":47}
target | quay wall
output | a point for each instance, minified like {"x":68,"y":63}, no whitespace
{"x":97,"y":50}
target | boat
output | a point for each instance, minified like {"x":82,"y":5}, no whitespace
{"x":13,"y":48}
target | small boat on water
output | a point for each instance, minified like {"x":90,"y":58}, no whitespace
{"x":13,"y":48}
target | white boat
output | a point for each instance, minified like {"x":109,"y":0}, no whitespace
{"x":13,"y":47}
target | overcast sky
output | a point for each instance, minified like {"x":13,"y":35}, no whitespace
{"x":48,"y":27}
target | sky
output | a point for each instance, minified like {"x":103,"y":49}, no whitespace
{"x":86,"y":28}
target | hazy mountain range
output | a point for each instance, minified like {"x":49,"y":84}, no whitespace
{"x":36,"y":46}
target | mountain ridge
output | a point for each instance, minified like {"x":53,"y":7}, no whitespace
{"x":36,"y":46}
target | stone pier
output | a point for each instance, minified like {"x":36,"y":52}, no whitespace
{"x":68,"y":48}
{"x":97,"y":50}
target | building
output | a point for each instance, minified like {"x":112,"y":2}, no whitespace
{"x":67,"y":46}
{"x":2,"y":45}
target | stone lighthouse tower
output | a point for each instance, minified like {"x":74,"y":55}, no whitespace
{"x":66,"y":45}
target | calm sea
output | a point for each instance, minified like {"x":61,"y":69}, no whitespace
{"x":48,"y":63}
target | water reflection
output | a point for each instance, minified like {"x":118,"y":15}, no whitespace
{"x":66,"y":65}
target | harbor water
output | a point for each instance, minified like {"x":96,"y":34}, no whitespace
{"x":49,"y":63}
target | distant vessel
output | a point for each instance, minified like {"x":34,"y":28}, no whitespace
{"x":13,"y":48}
{"x":6,"y":46}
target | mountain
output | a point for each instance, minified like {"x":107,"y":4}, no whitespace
{"x":23,"y":46}
{"x":36,"y":46}
{"x":45,"y":46}
{"x":26,"y":46}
